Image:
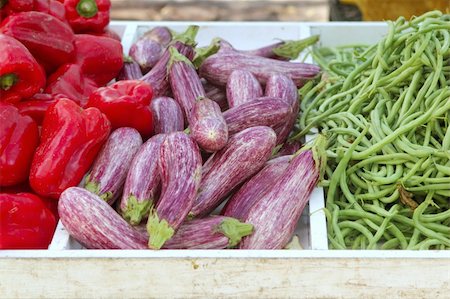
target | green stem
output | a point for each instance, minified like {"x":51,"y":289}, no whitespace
{"x":136,"y":210}
{"x":159,"y":231}
{"x":87,"y":8}
{"x":7,"y":81}
{"x":234,"y":230}
{"x":292,"y":49}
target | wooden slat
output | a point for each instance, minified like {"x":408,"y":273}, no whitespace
{"x":192,"y":277}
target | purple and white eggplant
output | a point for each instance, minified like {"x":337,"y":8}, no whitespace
{"x":214,"y":232}
{"x":180,"y":166}
{"x":148,"y":49}
{"x":264,"y":111}
{"x":281,"y":86}
{"x":243,"y":200}
{"x":243,"y":156}
{"x":185,"y":82}
{"x":130,"y":70}
{"x":275,"y":214}
{"x":208,"y":128}
{"x":96,"y":225}
{"x":242,"y":87}
{"x":218,"y":67}
{"x":216,"y":94}
{"x":142,"y":183}
{"x":167,"y":115}
{"x":157,"y":76}
{"x":110,"y":168}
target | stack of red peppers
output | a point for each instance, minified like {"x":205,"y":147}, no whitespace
{"x":56,"y":107}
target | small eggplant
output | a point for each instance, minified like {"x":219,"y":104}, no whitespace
{"x":185,"y":82}
{"x":242,"y":87}
{"x":208,"y":128}
{"x":264,"y":111}
{"x":143,"y":182}
{"x":167,"y":115}
{"x":275,"y":214}
{"x":180,"y":167}
{"x":243,"y":156}
{"x":96,"y":225}
{"x":242,"y":201}
{"x":130,"y":70}
{"x":218,"y":67}
{"x":148,"y":49}
{"x":157,"y":76}
{"x":110,"y":168}
{"x":213,"y":232}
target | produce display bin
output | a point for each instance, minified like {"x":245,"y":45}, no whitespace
{"x":68,"y":271}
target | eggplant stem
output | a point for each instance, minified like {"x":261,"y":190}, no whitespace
{"x":135,"y":210}
{"x":159,"y":231}
{"x":234,"y":230}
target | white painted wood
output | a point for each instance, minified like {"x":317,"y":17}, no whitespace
{"x":315,"y":276}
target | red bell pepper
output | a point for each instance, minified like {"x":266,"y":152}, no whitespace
{"x":87,"y":15}
{"x":68,"y":81}
{"x":100,"y":58}
{"x":107,"y":33}
{"x":19,"y":138}
{"x":51,"y":7}
{"x":25,"y":222}
{"x":70,"y":140}
{"x":126,"y":104}
{"x":20,"y":74}
{"x":47,"y":38}
{"x":36,"y":106}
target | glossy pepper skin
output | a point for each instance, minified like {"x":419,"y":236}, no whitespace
{"x":70,"y":140}
{"x":51,"y":7}
{"x":36,"y":106}
{"x":19,"y":138}
{"x":126,"y":104}
{"x":50,"y":40}
{"x":87,"y":15}
{"x":20,"y":74}
{"x":100,"y":58}
{"x":25,"y":222}
{"x":68,"y":81}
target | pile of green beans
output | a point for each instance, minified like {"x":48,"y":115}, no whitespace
{"x":386,"y":111}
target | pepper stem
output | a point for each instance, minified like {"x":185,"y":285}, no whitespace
{"x":7,"y":81}
{"x":87,"y":8}
{"x":234,"y":230}
{"x":135,"y":210}
{"x":159,"y":231}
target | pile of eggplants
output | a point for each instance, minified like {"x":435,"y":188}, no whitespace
{"x":209,"y":177}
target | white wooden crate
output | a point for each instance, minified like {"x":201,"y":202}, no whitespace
{"x":310,"y":229}
{"x":311,"y":273}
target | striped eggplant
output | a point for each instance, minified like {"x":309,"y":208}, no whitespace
{"x":216,"y":94}
{"x":157,"y":76}
{"x":185,"y":82}
{"x":264,"y":111}
{"x":110,"y":168}
{"x":289,"y":148}
{"x":130,"y":70}
{"x":283,"y":50}
{"x":208,"y":128}
{"x":213,"y":232}
{"x":281,"y":86}
{"x":95,"y":224}
{"x":142,"y":184}
{"x":147,"y":50}
{"x":242,"y":157}
{"x":167,"y":115}
{"x":242,"y":87}
{"x":218,"y":67}
{"x":242,"y":201}
{"x":180,"y":166}
{"x":276,"y":213}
